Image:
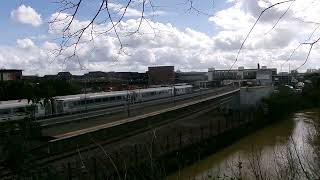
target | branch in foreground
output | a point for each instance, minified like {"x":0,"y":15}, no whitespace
{"x":254,"y":25}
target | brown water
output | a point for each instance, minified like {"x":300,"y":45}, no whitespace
{"x":268,"y":146}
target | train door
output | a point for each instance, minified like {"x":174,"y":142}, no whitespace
{"x":59,"y":107}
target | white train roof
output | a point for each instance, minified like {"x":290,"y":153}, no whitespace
{"x":14,"y":104}
{"x":90,"y":95}
{"x":112,"y":94}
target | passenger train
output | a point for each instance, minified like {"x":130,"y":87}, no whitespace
{"x":15,"y":110}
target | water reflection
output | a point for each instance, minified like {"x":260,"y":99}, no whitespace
{"x":268,"y":146}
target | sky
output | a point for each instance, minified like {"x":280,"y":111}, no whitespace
{"x":192,"y":38}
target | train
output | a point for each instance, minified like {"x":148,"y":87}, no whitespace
{"x":59,"y":105}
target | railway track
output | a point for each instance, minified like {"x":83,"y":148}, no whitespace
{"x":65,"y":119}
{"x":61,"y":156}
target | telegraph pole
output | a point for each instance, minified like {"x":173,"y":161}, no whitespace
{"x":128,"y":102}
{"x":85,"y":94}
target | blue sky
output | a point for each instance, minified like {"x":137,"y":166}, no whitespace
{"x":189,"y":40}
{"x":182,"y":18}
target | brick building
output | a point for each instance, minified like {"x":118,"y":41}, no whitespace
{"x":10,"y":74}
{"x":161,"y":75}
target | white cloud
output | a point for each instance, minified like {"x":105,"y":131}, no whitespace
{"x":132,"y":12}
{"x":164,"y":44}
{"x":273,"y":47}
{"x":25,"y":43}
{"x":27,"y":15}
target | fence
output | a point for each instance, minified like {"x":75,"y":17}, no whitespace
{"x":113,"y":161}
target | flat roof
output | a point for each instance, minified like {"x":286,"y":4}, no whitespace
{"x":112,"y":93}
{"x":10,"y":70}
{"x":13,"y":103}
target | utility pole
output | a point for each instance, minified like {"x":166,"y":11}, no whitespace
{"x":173,"y":91}
{"x":128,"y":102}
{"x":85,"y":94}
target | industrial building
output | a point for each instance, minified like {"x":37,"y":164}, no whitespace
{"x":260,"y":76}
{"x":10,"y":74}
{"x":161,"y":75}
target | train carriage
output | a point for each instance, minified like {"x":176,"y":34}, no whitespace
{"x":19,"y":109}
{"x":153,"y":93}
{"x":76,"y":103}
{"x":73,"y":103}
{"x":185,"y":89}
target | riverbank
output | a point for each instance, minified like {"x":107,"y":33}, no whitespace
{"x":269,"y":146}
{"x":159,"y":168}
{"x":279,"y":106}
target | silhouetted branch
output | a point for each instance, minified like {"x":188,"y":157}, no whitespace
{"x":254,"y":25}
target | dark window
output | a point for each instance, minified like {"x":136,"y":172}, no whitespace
{"x":20,"y":110}
{"x":4,"y":111}
{"x":75,"y":103}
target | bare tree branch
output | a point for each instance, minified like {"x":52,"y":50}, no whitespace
{"x":254,"y":25}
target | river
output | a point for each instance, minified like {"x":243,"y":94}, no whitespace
{"x":266,"y":152}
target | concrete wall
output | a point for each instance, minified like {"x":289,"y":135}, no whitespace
{"x":250,"y":96}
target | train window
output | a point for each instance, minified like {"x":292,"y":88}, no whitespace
{"x":4,"y":111}
{"x":64,"y":104}
{"x":29,"y":108}
{"x":90,"y":101}
{"x":112,"y":98}
{"x":97,"y":100}
{"x":20,"y":110}
{"x":82,"y":102}
{"x":105,"y":99}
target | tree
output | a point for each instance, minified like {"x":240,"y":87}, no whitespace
{"x":108,"y":13}
{"x":72,"y":36}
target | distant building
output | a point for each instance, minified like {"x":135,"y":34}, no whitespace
{"x":312,"y":71}
{"x":49,"y":77}
{"x":96,"y":74}
{"x":30,"y":78}
{"x":285,"y":78}
{"x":259,"y":76}
{"x":189,"y":77}
{"x":264,"y":77}
{"x":198,"y":79}
{"x":64,"y":75}
{"x":161,"y":75}
{"x":10,"y":74}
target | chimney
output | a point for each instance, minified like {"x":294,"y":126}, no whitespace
{"x":258,"y":66}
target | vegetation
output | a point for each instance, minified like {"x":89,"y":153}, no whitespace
{"x":10,"y":90}
{"x":286,"y":100}
{"x":17,"y":138}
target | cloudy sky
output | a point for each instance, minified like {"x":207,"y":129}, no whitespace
{"x":192,"y":38}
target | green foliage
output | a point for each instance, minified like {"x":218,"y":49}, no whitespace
{"x":34,"y":90}
{"x":286,"y":100}
{"x":282,"y":102}
{"x":16,"y":140}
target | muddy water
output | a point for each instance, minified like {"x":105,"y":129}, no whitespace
{"x":269,"y":148}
